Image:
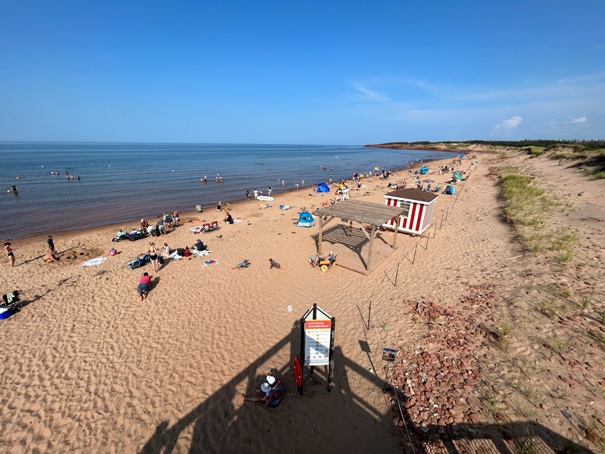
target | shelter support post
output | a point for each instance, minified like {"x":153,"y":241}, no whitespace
{"x":373,"y":233}
{"x":397,"y":219}
{"x":321,"y":229}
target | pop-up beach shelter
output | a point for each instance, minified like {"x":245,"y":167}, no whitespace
{"x":370,"y":216}
{"x":457,"y":176}
{"x":423,"y":170}
{"x":451,"y":190}
{"x":417,"y":209}
{"x":305,"y":219}
{"x":322,"y":187}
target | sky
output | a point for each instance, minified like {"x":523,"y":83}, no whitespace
{"x":348,"y":72}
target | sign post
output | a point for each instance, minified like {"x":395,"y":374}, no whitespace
{"x":317,"y":341}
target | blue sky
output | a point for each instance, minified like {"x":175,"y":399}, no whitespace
{"x":307,"y":72}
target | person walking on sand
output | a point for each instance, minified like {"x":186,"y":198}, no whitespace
{"x":51,"y":244}
{"x":269,"y":190}
{"x":153,"y":256}
{"x":9,"y":252}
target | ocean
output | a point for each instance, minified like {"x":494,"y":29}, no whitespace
{"x":121,"y":182}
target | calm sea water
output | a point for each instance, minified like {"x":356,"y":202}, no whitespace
{"x":124,"y":182}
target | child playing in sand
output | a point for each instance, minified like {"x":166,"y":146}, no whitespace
{"x":274,"y":264}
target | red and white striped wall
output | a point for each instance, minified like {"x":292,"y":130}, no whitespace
{"x":419,"y":216}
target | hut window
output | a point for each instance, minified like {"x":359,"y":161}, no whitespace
{"x":406,"y":209}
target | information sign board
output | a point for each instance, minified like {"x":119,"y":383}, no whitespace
{"x":317,"y":343}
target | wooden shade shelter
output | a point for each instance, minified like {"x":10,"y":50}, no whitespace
{"x":371,"y":216}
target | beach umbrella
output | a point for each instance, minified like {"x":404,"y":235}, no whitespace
{"x":428,"y":181}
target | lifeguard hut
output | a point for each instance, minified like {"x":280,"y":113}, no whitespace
{"x":418,"y":208}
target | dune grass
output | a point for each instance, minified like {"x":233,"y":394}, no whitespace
{"x":526,"y":207}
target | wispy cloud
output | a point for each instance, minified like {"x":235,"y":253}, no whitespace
{"x":577,"y":121}
{"x":371,"y":95}
{"x":506,"y":127}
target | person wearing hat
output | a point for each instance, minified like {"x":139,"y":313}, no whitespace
{"x":270,"y":391}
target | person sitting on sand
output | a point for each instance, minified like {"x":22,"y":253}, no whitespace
{"x":229,"y":219}
{"x":274,"y":264}
{"x":51,"y":256}
{"x":219,"y":207}
{"x":200,"y":246}
{"x":143,"y":288}
{"x":270,"y":393}
{"x":187,"y":252}
{"x":144,"y":224}
{"x":318,"y":258}
{"x":166,"y":250}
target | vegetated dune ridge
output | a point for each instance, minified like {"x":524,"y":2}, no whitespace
{"x":88,"y":367}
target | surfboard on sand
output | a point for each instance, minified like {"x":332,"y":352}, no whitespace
{"x":264,"y":198}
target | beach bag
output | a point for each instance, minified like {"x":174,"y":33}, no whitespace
{"x":181,"y":252}
{"x":113,"y":251}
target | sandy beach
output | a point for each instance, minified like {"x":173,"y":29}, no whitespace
{"x":87,"y":367}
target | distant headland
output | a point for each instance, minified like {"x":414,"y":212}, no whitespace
{"x":587,"y":154}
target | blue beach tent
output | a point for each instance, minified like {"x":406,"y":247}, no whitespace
{"x":451,"y":190}
{"x":322,"y":187}
{"x":305,"y":219}
{"x":423,"y":170}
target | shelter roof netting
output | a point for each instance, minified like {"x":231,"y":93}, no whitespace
{"x":368,"y":213}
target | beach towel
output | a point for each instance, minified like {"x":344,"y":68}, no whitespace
{"x":209,"y":262}
{"x":94,"y":262}
{"x":200,"y":253}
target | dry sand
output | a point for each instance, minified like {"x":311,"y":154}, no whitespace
{"x":87,"y":367}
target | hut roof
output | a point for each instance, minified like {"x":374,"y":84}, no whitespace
{"x":369,"y":213}
{"x":413,"y":194}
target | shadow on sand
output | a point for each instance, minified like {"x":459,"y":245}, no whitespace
{"x":347,"y":419}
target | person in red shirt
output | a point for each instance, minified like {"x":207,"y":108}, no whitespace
{"x":144,"y":284}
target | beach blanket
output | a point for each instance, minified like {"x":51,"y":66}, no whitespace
{"x":209,"y":262}
{"x":200,"y":253}
{"x":94,"y":262}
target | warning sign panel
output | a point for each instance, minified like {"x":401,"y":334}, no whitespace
{"x":317,"y":342}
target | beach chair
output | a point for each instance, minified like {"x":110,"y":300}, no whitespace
{"x":206,"y":227}
{"x":214,"y":225}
